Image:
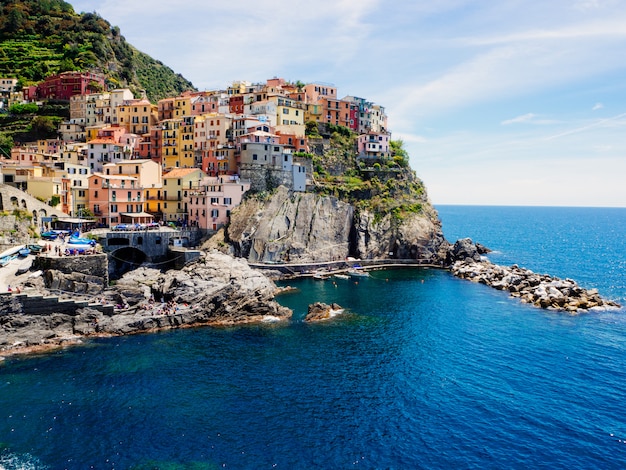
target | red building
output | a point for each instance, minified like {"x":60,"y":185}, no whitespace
{"x":67,"y":84}
{"x":235,"y":104}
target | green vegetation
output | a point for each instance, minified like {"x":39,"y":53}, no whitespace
{"x":28,"y":108}
{"x":24,"y":127}
{"x":382,"y":186}
{"x":22,"y":214}
{"x":44,"y":37}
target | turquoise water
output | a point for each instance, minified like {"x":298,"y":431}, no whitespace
{"x":421,"y":371}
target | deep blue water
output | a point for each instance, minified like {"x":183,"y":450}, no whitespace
{"x":422,"y":371}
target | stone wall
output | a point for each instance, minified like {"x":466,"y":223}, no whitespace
{"x":47,"y":305}
{"x":19,"y":230}
{"x":85,"y":274}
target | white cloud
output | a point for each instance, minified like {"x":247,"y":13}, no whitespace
{"x":597,"y":106}
{"x":529,"y":118}
{"x":612,"y":121}
{"x":523,"y":118}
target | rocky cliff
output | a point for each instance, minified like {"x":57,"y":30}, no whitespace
{"x":308,"y":227}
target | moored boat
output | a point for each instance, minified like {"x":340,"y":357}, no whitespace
{"x":81,"y":241}
{"x":358,"y":272}
{"x":6,"y":260}
{"x":24,"y":252}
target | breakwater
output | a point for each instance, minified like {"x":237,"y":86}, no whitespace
{"x":541,"y":290}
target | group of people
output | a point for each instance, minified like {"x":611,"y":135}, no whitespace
{"x":163,"y":308}
{"x":68,"y":250}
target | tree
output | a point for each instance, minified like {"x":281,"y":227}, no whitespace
{"x":15,"y":21}
{"x":44,"y":126}
{"x":400,"y":155}
{"x":95,"y":87}
{"x":6,"y":144}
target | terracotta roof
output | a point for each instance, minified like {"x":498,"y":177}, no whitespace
{"x":102,"y":141}
{"x":179,"y":172}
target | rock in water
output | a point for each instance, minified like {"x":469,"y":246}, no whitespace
{"x":320,"y":311}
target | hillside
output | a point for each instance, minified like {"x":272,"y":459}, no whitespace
{"x":367,"y":208}
{"x":44,"y":37}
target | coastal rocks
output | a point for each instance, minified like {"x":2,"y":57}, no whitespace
{"x":214,"y":290}
{"x":465,"y":250}
{"x":540,"y":290}
{"x":320,"y":312}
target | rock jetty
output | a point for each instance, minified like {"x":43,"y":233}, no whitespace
{"x":540,"y":290}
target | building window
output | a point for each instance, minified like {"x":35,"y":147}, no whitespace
{"x":254,"y":156}
{"x":228,"y":201}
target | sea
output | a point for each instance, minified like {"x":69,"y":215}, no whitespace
{"x":420,"y":371}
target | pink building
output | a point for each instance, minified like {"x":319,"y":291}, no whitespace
{"x":210,"y":202}
{"x":373,"y":145}
{"x":115,"y":198}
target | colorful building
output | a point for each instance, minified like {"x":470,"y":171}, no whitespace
{"x":211,"y":200}
{"x":176,"y":185}
{"x":67,"y":84}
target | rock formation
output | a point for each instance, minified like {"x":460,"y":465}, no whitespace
{"x":215,"y":290}
{"x":320,"y":311}
{"x":307,"y":227}
{"x":540,"y":290}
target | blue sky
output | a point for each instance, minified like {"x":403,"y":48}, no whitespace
{"x":514,"y":102}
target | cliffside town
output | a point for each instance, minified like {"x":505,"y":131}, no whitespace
{"x":190,"y":159}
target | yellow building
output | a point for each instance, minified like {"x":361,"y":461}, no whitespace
{"x":182,"y":106}
{"x":178,"y":141}
{"x":187,"y":155}
{"x":46,"y":189}
{"x":176,"y":186}
{"x":170,"y":156}
{"x":19,"y":175}
{"x":137,"y":116}
{"x":290,"y":116}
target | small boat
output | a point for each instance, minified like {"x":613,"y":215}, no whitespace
{"x":34,"y":248}
{"x":49,"y":235}
{"x":23,"y":269}
{"x":24,"y":252}
{"x":357,"y":272}
{"x":320,"y":276}
{"x":81,"y":241}
{"x":6,"y":260}
{"x":341,"y":276}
